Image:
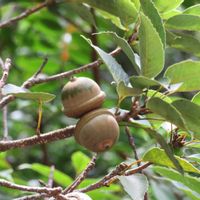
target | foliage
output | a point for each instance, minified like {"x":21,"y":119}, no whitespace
{"x":145,"y":56}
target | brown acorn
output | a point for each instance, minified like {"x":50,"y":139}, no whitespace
{"x":97,"y":130}
{"x":81,"y":95}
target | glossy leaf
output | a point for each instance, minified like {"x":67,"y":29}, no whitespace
{"x":114,"y":67}
{"x":186,"y":72}
{"x":151,"y":12}
{"x":184,"y":42}
{"x":196,"y":99}
{"x":59,"y":177}
{"x":190,"y":113}
{"x":121,"y":42}
{"x":159,"y":157}
{"x":189,"y":181}
{"x":144,"y":82}
{"x":80,"y":161}
{"x":151,"y":49}
{"x":166,"y":6}
{"x":124,"y":9}
{"x":184,"y":22}
{"x":125,"y":91}
{"x":193,"y":10}
{"x":166,"y":110}
{"x":135,"y":185}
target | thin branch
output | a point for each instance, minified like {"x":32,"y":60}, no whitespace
{"x":132,"y":143}
{"x":103,"y":182}
{"x":51,"y":175}
{"x":33,"y":197}
{"x":6,"y":68}
{"x":82,"y":176}
{"x":5,"y":124}
{"x":51,"y":191}
{"x":26,"y":13}
{"x":59,"y":76}
{"x":42,"y":139}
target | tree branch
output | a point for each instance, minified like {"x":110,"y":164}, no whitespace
{"x":42,"y":139}
{"x":26,"y":13}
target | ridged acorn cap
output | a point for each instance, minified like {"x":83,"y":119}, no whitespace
{"x":81,"y":95}
{"x":97,"y":131}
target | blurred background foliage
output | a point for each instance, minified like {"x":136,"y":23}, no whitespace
{"x":55,"y":32}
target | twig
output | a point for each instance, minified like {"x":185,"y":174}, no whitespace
{"x":39,"y":80}
{"x":117,"y":171}
{"x":82,"y":176}
{"x":50,"y":191}
{"x":26,"y":13}
{"x":132,"y":143}
{"x":51,"y":174}
{"x":43,"y":139}
{"x":5,"y":67}
{"x":5,"y":124}
{"x":33,"y":197}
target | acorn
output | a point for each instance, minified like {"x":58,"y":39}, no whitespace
{"x":81,"y":95}
{"x":97,"y":130}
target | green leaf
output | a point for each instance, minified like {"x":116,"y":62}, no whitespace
{"x":125,"y":91}
{"x":121,"y":42}
{"x":80,"y":161}
{"x":189,"y":181}
{"x":167,"y":150}
{"x":59,"y":177}
{"x":194,"y":157}
{"x":150,"y":48}
{"x":135,"y":185}
{"x":166,"y":110}
{"x":184,"y":42}
{"x":166,"y":6}
{"x":159,"y":157}
{"x":4,"y":164}
{"x":190,"y":113}
{"x":114,"y":67}
{"x":184,"y":22}
{"x":124,"y":9}
{"x":193,"y":145}
{"x":196,"y":98}
{"x":193,"y":10}
{"x":170,"y":14}
{"x":144,"y":82}
{"x":186,"y":72}
{"x":151,"y":12}
{"x":154,"y":93}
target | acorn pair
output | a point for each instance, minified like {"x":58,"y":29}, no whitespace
{"x":97,"y":128}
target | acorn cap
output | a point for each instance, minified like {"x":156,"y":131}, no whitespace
{"x":81,"y":95}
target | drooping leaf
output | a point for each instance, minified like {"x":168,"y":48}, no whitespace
{"x":193,"y":10}
{"x":125,"y":91}
{"x":184,"y":42}
{"x":184,"y":22}
{"x":159,"y":157}
{"x":124,"y":9}
{"x":166,"y":6}
{"x":59,"y":177}
{"x":135,"y":185}
{"x":150,"y":48}
{"x":114,"y":67}
{"x":26,"y":94}
{"x":144,"y":82}
{"x":186,"y":72}
{"x":166,"y":110}
{"x":190,"y":113}
{"x":196,"y":99}
{"x":167,"y":149}
{"x":79,"y":161}
{"x":151,"y":12}
{"x":121,"y":42}
{"x":189,"y":181}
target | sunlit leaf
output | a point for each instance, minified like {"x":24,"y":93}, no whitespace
{"x":151,"y":49}
{"x":135,"y":185}
{"x":80,"y":161}
{"x":159,"y":157}
{"x":193,"y":10}
{"x":151,"y":12}
{"x":186,"y":72}
{"x":184,"y":22}
{"x":196,"y":99}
